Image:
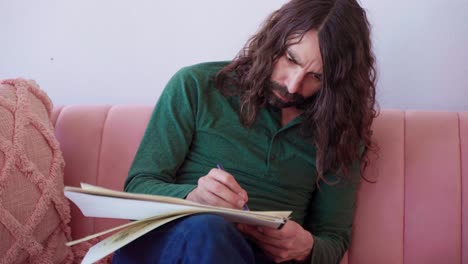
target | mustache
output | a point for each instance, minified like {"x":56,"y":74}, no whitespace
{"x":296,"y":100}
{"x":283,"y":91}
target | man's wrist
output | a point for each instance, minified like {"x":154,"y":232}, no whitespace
{"x":309,"y":241}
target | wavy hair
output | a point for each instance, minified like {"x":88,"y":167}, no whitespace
{"x":340,"y":117}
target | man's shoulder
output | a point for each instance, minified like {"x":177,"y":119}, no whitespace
{"x":203,"y":70}
{"x":196,"y":80}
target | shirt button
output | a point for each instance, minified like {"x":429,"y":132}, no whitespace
{"x":272,"y":157}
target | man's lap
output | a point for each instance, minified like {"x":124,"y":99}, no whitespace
{"x":202,"y":238}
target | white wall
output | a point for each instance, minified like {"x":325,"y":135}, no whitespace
{"x":422,"y":52}
{"x":117,"y":51}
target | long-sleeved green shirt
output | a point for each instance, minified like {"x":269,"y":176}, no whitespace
{"x":194,"y":127}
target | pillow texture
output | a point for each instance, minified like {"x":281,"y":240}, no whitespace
{"x":34,"y":214}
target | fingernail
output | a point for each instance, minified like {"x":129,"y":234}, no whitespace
{"x":240,"y":203}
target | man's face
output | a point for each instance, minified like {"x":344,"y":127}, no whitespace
{"x":297,"y":74}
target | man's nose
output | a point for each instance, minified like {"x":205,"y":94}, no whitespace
{"x":295,"y":81}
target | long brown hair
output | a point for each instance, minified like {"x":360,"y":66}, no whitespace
{"x":343,"y":110}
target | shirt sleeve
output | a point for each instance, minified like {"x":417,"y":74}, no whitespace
{"x":166,"y":141}
{"x":330,"y":218}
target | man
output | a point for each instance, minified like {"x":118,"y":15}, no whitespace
{"x":289,"y":119}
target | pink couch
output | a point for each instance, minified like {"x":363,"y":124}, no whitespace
{"x":413,"y":214}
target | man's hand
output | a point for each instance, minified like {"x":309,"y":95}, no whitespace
{"x":219,"y":188}
{"x":292,"y":242}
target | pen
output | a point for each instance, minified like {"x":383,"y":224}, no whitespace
{"x":245,"y":208}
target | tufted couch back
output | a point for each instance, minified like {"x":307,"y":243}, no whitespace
{"x":414,"y":213}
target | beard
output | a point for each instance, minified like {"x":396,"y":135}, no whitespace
{"x":285,"y":99}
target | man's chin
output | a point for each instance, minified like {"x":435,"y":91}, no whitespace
{"x":298,"y":105}
{"x":280,"y":105}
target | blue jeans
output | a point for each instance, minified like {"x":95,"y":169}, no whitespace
{"x":202,"y":238}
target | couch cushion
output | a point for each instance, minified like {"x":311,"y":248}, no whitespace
{"x":416,"y":210}
{"x":34,"y":214}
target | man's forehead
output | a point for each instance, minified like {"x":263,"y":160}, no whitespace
{"x":294,"y":38}
{"x":306,"y":50}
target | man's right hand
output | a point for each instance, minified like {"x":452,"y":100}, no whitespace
{"x":219,"y":188}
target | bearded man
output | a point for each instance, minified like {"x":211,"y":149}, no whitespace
{"x":289,"y":119}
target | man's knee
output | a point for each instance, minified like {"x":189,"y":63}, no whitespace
{"x":208,"y":222}
{"x":213,"y":238}
{"x":202,"y":238}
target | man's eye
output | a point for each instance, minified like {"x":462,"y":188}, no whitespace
{"x":290,"y":59}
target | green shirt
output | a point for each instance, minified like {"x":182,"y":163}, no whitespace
{"x":194,"y":127}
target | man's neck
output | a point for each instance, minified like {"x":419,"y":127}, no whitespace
{"x":288,"y":114}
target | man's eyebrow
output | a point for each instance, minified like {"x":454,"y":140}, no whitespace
{"x":294,"y":58}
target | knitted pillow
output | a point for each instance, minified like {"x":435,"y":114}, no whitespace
{"x":34,"y":214}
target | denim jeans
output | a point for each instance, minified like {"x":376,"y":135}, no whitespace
{"x":202,"y":238}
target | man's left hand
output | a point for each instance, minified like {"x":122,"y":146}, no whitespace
{"x":292,"y":242}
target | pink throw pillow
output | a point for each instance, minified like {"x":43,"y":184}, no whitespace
{"x":34,"y":214}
